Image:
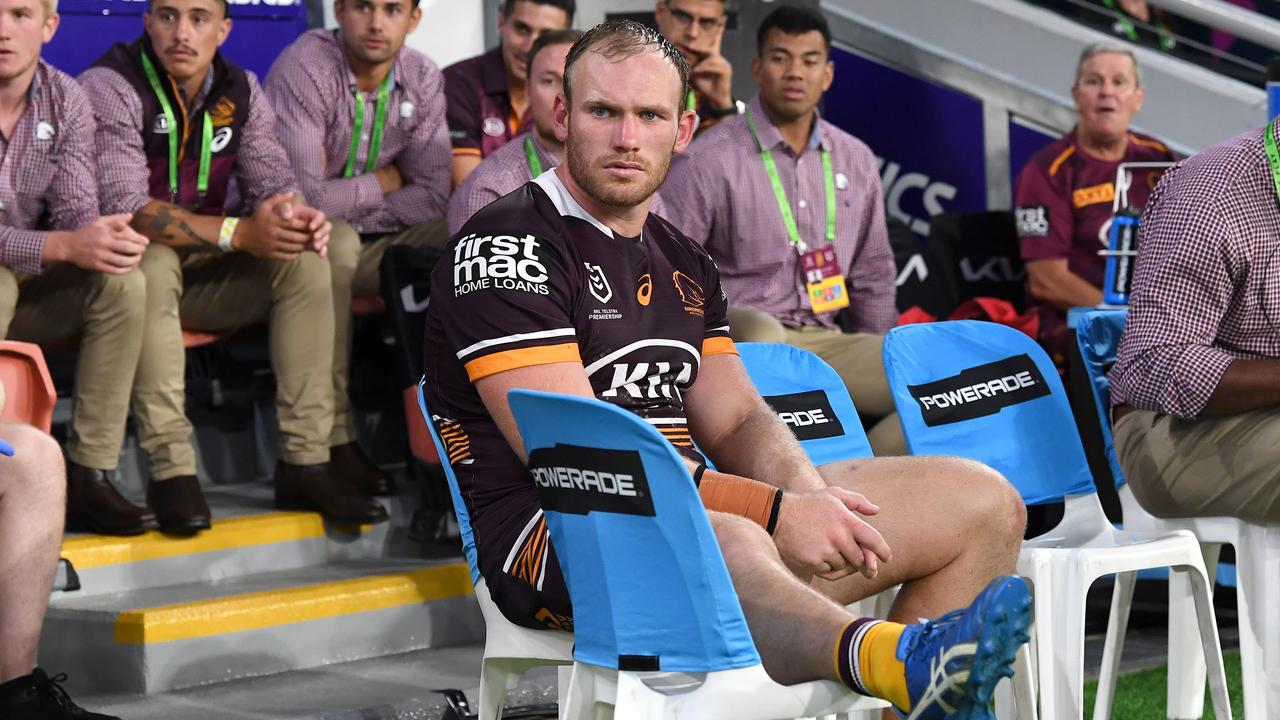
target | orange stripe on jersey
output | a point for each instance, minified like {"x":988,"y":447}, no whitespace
{"x":483,"y":367}
{"x":1057,"y":162}
{"x":467,"y":151}
{"x":1149,"y":143}
{"x":718,"y":346}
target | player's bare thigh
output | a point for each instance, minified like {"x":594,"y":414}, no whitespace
{"x":932,"y":509}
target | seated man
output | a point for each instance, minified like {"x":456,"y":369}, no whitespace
{"x":1064,"y":194}
{"x":158,"y":101}
{"x":516,"y":163}
{"x":389,"y":187}
{"x":73,"y":274}
{"x":32,"y":500}
{"x":1196,"y":386}
{"x":790,"y":207}
{"x":696,"y":28}
{"x":488,"y":94}
{"x":570,"y":285}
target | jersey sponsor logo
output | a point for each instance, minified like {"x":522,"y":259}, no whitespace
{"x":650,"y":380}
{"x":1094,"y":194}
{"x":499,"y":262}
{"x":808,"y":414}
{"x":1033,"y":221}
{"x":645,"y":290}
{"x":690,"y":293}
{"x":597,"y":283}
{"x":980,"y":391}
{"x":578,"y":480}
{"x":221,"y":139}
{"x":494,"y":127}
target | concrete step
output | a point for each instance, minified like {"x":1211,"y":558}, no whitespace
{"x":162,"y":638}
{"x":395,"y":687}
{"x":248,"y":537}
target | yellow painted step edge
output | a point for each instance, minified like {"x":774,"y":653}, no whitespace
{"x":99,"y":551}
{"x":270,"y":608}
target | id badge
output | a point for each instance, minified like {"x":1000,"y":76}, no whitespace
{"x":823,"y":281}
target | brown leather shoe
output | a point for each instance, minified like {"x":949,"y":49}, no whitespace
{"x":350,"y":463}
{"x":179,"y":505}
{"x":94,"y":505}
{"x":315,"y":487}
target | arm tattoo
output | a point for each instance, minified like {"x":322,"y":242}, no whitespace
{"x":168,"y":224}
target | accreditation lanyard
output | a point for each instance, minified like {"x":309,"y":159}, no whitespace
{"x":379,"y":125}
{"x":531,"y":154}
{"x":691,"y":101}
{"x":1130,"y":31}
{"x":206,"y":136}
{"x":780,"y":193}
{"x":1273,"y":153}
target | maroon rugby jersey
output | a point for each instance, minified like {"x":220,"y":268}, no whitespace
{"x":533,"y":279}
{"x":1064,"y":198}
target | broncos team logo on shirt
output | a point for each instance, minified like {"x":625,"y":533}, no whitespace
{"x":690,"y":293}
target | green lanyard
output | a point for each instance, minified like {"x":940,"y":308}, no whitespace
{"x":691,"y":101}
{"x":1126,"y":26}
{"x":379,"y":124}
{"x":780,"y":193}
{"x":206,"y":136}
{"x":1273,"y":154}
{"x":531,"y":154}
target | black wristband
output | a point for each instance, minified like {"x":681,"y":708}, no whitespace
{"x":697,"y":475}
{"x":719,"y":113}
{"x":773,"y":513}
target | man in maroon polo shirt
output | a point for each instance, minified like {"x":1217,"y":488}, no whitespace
{"x":1064,"y":195}
{"x":487,"y":96}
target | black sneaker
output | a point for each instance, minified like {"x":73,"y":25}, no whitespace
{"x":40,"y":697}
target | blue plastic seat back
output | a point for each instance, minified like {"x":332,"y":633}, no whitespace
{"x":810,"y":398}
{"x":459,"y":507}
{"x":649,"y":586}
{"x":987,"y":392}
{"x":1098,"y":335}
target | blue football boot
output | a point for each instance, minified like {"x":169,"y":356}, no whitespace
{"x":953,"y":663}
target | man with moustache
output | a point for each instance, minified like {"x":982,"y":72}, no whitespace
{"x":603,"y":289}
{"x":537,"y":150}
{"x":789,"y":272}
{"x":488,"y":94}
{"x":1064,"y":195}
{"x":63,"y":269}
{"x":176,"y":123}
{"x":696,"y":28}
{"x":362,"y":119}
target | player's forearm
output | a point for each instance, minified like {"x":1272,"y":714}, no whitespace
{"x":168,"y":224}
{"x":762,"y":448}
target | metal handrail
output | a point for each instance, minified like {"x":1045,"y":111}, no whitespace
{"x":1230,"y":18}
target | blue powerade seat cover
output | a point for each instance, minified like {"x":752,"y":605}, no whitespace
{"x":810,"y":397}
{"x":986,"y":391}
{"x":1098,"y":335}
{"x":649,"y":586}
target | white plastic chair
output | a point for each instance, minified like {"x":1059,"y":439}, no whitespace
{"x":659,"y":630}
{"x":509,"y":649}
{"x":1257,"y":549}
{"x":1020,"y":424}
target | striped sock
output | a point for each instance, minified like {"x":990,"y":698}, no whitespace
{"x":866,"y":660}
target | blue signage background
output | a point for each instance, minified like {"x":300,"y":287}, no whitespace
{"x":1024,"y":141}
{"x":928,"y":139}
{"x":259,"y":31}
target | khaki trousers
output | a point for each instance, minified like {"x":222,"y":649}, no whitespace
{"x":856,"y":357}
{"x":1206,"y":467}
{"x":223,"y":292}
{"x":108,"y":311}
{"x":355,"y":274}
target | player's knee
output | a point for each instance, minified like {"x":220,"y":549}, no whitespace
{"x":741,"y":541}
{"x":36,"y":471}
{"x":999,"y":507}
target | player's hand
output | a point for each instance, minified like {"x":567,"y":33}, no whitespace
{"x":822,"y":532}
{"x":106,"y":245}
{"x":275,"y":231}
{"x":712,"y":77}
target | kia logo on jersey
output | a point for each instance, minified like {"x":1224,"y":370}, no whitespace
{"x":808,"y":414}
{"x":980,"y":391}
{"x":578,"y":480}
